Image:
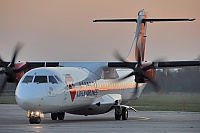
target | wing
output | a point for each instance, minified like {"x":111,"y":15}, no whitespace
{"x":32,"y":65}
{"x":157,"y":64}
{"x":170,"y":64}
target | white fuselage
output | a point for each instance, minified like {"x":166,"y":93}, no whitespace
{"x":73,"y":90}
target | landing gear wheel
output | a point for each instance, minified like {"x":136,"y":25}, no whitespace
{"x":34,"y":120}
{"x":37,"y":120}
{"x":54,"y":116}
{"x":124,"y":114}
{"x":31,"y":120}
{"x":117,"y":116}
{"x":61,"y":115}
{"x":118,"y":113}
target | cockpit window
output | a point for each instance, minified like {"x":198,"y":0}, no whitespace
{"x":52,"y":80}
{"x":40,"y":79}
{"x":58,"y":78}
{"x":27,"y":79}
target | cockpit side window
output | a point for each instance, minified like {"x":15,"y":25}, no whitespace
{"x":58,"y":78}
{"x":40,"y":79}
{"x":52,"y":80}
{"x":27,"y":79}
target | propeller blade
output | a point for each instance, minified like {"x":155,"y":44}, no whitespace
{"x":17,"y":49}
{"x":125,"y":63}
{"x":119,"y":57}
{"x":127,"y":76}
{"x":153,"y":82}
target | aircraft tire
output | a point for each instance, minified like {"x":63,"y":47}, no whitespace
{"x":117,"y":113}
{"x":124,"y":114}
{"x":117,"y":116}
{"x":32,"y":120}
{"x":61,"y":115}
{"x":54,"y":116}
{"x":37,"y":120}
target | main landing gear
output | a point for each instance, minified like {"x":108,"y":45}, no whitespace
{"x":121,"y":112}
{"x":58,"y":115}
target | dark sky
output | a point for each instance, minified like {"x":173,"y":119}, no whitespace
{"x":63,"y":29}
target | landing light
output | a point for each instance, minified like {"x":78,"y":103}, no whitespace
{"x":37,"y":113}
{"x":32,"y":113}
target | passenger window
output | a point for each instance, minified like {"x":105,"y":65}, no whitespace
{"x":40,"y":79}
{"x":52,"y":80}
{"x":27,"y":79}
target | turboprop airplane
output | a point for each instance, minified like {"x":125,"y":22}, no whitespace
{"x":87,"y":88}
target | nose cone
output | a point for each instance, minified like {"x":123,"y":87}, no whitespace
{"x":28,"y":98}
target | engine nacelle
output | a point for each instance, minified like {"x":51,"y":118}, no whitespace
{"x":150,"y":73}
{"x":18,"y":65}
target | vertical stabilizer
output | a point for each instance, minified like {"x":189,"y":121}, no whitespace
{"x":138,"y":45}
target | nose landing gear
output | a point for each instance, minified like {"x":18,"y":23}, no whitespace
{"x":34,"y":117}
{"x":34,"y":120}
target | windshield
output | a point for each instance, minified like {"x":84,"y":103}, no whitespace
{"x":40,"y":79}
{"x":54,"y":79}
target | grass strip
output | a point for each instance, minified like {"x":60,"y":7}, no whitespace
{"x":182,"y":102}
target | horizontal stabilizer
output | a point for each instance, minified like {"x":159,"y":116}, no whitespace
{"x":145,"y":20}
{"x":116,"y":20}
{"x":167,"y":19}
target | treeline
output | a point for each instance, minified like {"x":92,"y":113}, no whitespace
{"x":177,"y":80}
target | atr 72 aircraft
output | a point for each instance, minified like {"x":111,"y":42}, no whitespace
{"x":87,"y":88}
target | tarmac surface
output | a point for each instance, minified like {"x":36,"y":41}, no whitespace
{"x":13,"y":120}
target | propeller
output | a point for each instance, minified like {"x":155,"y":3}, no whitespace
{"x":8,"y":69}
{"x":138,"y":71}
